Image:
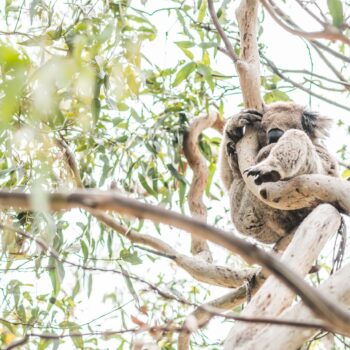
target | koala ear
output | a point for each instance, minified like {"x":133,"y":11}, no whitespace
{"x":316,"y":125}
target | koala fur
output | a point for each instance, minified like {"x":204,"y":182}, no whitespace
{"x":290,"y":144}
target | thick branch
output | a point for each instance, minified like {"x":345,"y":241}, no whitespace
{"x":307,"y":191}
{"x":273,"y":297}
{"x":273,"y":338}
{"x":248,"y":65}
{"x":337,"y":318}
{"x":200,"y":176}
{"x":200,"y":270}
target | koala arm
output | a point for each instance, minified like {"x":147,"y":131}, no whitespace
{"x":294,"y":154}
{"x":232,"y":134}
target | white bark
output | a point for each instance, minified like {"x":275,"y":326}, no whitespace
{"x":274,"y":297}
{"x":273,"y":337}
{"x":338,"y":319}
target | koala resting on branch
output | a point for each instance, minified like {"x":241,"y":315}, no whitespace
{"x":290,"y":144}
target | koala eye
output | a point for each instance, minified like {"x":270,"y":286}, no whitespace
{"x":274,"y":135}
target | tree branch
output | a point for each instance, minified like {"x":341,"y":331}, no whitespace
{"x":329,"y":32}
{"x":200,"y":176}
{"x":272,"y":338}
{"x":225,"y":39}
{"x":274,"y":297}
{"x":200,"y":270}
{"x":301,"y":87}
{"x":336,"y":317}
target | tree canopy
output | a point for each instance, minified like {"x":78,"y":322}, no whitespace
{"x":102,"y":95}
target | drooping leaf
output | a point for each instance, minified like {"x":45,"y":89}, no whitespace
{"x":335,"y":8}
{"x":184,"y":72}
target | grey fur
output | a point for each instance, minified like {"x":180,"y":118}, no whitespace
{"x":298,"y":151}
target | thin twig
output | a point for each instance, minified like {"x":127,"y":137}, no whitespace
{"x":221,"y":32}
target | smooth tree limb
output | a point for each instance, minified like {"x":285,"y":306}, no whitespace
{"x":334,"y":315}
{"x":200,"y":170}
{"x":200,"y":270}
{"x":292,"y":338}
{"x":274,"y":297}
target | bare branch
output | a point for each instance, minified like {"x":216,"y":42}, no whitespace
{"x":306,"y":9}
{"x":329,"y":32}
{"x":273,"y":297}
{"x":199,"y":167}
{"x":336,"y":317}
{"x":308,"y":72}
{"x":336,"y":72}
{"x":303,"y":88}
{"x":200,"y":270}
{"x":225,"y":39}
{"x":337,"y":286}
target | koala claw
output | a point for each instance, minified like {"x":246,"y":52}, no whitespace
{"x":263,"y":174}
{"x":230,"y":149}
{"x":249,"y":117}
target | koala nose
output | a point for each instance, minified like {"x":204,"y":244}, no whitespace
{"x":273,"y":135}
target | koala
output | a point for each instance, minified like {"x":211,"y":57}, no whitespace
{"x":290,"y":144}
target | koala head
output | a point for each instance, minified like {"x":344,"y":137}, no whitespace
{"x":282,"y":116}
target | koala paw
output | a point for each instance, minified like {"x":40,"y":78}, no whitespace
{"x":231,"y":149}
{"x":240,"y":120}
{"x":263,"y":173}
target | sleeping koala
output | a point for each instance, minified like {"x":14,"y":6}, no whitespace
{"x":289,"y":145}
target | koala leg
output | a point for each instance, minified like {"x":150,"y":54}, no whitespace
{"x":293,"y":154}
{"x":232,"y":134}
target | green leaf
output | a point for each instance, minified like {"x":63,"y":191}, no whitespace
{"x":84,"y":249}
{"x":184,"y":44}
{"x":336,"y":10}
{"x":184,"y":72}
{"x":77,"y":339}
{"x":132,"y":258}
{"x":202,"y":10}
{"x":130,"y":285}
{"x":205,"y":71}
{"x":276,"y":95}
{"x":43,"y":344}
{"x":131,"y":78}
{"x":176,"y":174}
{"x":187,"y":52}
{"x":89,"y":285}
{"x":147,"y":187}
